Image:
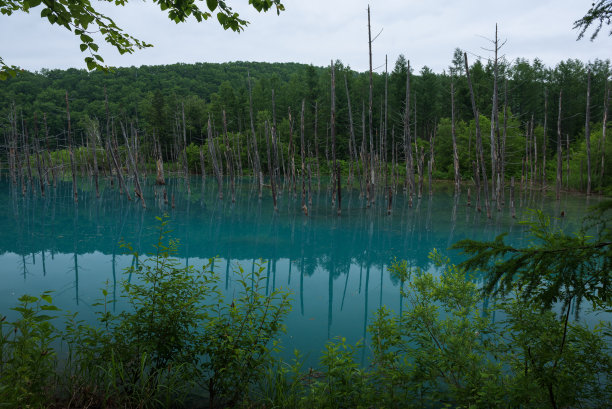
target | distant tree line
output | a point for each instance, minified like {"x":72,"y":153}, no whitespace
{"x":153,"y":98}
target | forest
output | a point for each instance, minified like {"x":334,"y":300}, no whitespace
{"x":542,"y":110}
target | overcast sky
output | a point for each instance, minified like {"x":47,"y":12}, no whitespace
{"x":316,"y":31}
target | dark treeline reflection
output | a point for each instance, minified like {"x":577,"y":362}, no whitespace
{"x":249,"y":229}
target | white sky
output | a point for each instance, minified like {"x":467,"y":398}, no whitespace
{"x":316,"y":31}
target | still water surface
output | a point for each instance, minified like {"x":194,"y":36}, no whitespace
{"x":335,"y":267}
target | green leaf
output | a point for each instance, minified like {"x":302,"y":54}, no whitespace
{"x":91,"y":64}
{"x":40,"y":318}
{"x":47,"y":298}
{"x":27,"y":298}
{"x":86,"y":39}
{"x":222,"y":19}
{"x":83,"y":47}
{"x":212,"y":4}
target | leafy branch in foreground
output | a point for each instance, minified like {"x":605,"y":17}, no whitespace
{"x":555,"y":267}
{"x":84,"y":20}
{"x":599,"y":13}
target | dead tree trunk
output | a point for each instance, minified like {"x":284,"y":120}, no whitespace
{"x":478,"y":138}
{"x":370,"y":102}
{"x":383,"y":150}
{"x":257,"y":168}
{"x":38,"y":161}
{"x":407,"y":137}
{"x":185,"y":161}
{"x":137,"y":188}
{"x":339,"y":187}
{"x":71,"y":154}
{"x":477,"y":182}
{"x":228,"y":159}
{"x":454,"y":136}
{"x":503,"y":144}
{"x":291,"y":153}
{"x":159,"y":178}
{"x":215,"y":163}
{"x":202,"y":166}
{"x":94,"y":136}
{"x":352,"y":133}
{"x":587,"y":132}
{"x":603,"y":135}
{"x":302,"y":155}
{"x":545,"y":141}
{"x":114,"y":149}
{"x":274,"y":135}
{"x":567,"y":160}
{"x":270,"y":167}
{"x":494,"y":116}
{"x":559,"y":157}
{"x":315,"y":139}
{"x":26,"y":153}
{"x":333,"y":123}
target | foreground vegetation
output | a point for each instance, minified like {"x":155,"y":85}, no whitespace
{"x":182,"y":343}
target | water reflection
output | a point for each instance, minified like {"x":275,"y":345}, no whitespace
{"x":341,"y":261}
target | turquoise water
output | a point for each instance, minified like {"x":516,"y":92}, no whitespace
{"x":335,"y":267}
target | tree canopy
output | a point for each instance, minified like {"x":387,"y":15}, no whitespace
{"x":84,"y":20}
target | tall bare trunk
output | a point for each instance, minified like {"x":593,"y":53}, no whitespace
{"x":71,"y":154}
{"x":478,"y":138}
{"x":303,"y":156}
{"x":559,"y":157}
{"x":333,"y":120}
{"x":494,"y":116}
{"x":184,"y":150}
{"x":257,"y":164}
{"x":384,"y":133}
{"x":370,"y":101}
{"x":603,"y":135}
{"x":407,"y":137}
{"x":228,"y":159}
{"x":137,"y":188}
{"x":587,"y":132}
{"x":270,"y":166}
{"x":502,"y":156}
{"x":213,"y":158}
{"x":454,"y":136}
{"x":353,"y":151}
{"x":545,"y":141}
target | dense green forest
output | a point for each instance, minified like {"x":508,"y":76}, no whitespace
{"x":151,"y":98}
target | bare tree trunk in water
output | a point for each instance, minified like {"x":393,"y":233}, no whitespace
{"x":603,"y":136}
{"x":71,"y":154}
{"x":587,"y":132}
{"x":545,"y":142}
{"x":453,"y":133}
{"x":559,"y":158}
{"x":370,"y":103}
{"x":478,"y":138}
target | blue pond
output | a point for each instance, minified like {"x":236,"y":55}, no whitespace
{"x":335,"y":267}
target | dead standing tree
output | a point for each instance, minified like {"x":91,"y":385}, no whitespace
{"x":71,"y":154}
{"x":603,"y":135}
{"x":587,"y":132}
{"x":479,"y":149}
{"x":256,"y":162}
{"x":454,"y":136}
{"x":559,"y":158}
